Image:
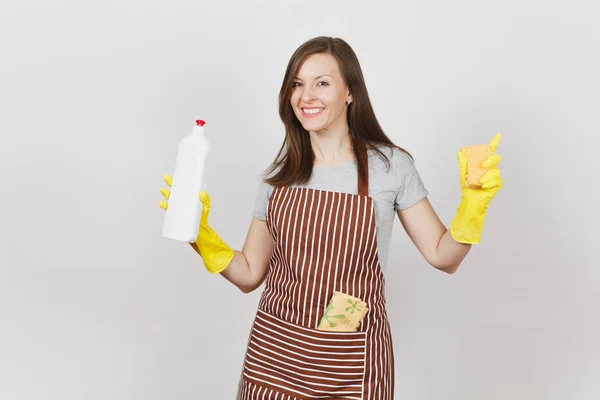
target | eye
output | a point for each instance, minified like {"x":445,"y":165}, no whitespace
{"x":324,"y":83}
{"x":296,"y":84}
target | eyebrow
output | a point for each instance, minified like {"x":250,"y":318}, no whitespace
{"x":318,"y":77}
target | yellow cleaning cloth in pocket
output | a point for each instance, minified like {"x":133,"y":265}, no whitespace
{"x":344,"y":313}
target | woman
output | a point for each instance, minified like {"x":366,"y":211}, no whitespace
{"x":321,"y":232}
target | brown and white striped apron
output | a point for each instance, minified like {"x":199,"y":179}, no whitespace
{"x":324,"y":242}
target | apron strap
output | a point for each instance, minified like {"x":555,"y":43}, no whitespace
{"x":363,"y":184}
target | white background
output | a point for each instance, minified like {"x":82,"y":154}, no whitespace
{"x":94,"y":96}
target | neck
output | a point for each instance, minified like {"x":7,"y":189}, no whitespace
{"x":332,"y":147}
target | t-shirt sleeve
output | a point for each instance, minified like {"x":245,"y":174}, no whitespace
{"x":261,"y":201}
{"x":411,"y":188}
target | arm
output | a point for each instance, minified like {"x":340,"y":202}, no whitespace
{"x":432,"y":238}
{"x":445,"y":248}
{"x":248,"y":268}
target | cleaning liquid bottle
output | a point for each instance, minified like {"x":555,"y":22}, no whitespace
{"x":182,"y":217}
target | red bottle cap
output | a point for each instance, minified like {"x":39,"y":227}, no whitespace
{"x":199,"y":122}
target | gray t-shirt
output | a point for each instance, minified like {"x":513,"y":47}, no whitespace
{"x":398,"y":188}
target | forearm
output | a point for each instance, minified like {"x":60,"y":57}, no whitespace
{"x":239,"y":273}
{"x":450,"y":253}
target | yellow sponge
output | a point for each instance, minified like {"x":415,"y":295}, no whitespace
{"x":476,"y":155}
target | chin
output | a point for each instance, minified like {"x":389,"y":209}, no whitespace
{"x":311,"y":124}
{"x":314,"y":127}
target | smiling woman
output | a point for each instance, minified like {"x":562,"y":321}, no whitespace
{"x":321,"y":232}
{"x":328,"y":116}
{"x":318,"y":99}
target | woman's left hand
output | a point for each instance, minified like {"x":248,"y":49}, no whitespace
{"x":467,"y":225}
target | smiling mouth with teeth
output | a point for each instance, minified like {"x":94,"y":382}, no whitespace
{"x":312,"y":111}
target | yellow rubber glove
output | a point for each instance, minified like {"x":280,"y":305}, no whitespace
{"x":468,"y":222}
{"x":215,"y":253}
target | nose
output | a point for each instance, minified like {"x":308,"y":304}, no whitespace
{"x":308,"y":94}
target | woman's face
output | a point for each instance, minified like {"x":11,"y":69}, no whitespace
{"x":319,"y":95}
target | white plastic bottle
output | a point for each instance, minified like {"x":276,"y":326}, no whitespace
{"x":182,"y":217}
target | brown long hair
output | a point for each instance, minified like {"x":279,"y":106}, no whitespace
{"x":295,"y":159}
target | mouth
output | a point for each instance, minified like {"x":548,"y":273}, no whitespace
{"x":312,"y":112}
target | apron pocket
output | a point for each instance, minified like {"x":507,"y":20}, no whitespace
{"x":304,"y":362}
{"x":344,"y":313}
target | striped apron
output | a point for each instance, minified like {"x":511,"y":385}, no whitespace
{"x":324,"y":242}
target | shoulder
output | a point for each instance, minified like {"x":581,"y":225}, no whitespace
{"x":264,"y":188}
{"x":390,"y":158}
{"x":261,"y":201}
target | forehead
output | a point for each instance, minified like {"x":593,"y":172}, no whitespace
{"x":317,"y":65}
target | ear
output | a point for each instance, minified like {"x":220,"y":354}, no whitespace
{"x":349,"y":99}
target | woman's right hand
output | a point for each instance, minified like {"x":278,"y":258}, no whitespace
{"x":164,"y":204}
{"x":246,"y":269}
{"x":215,"y":253}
